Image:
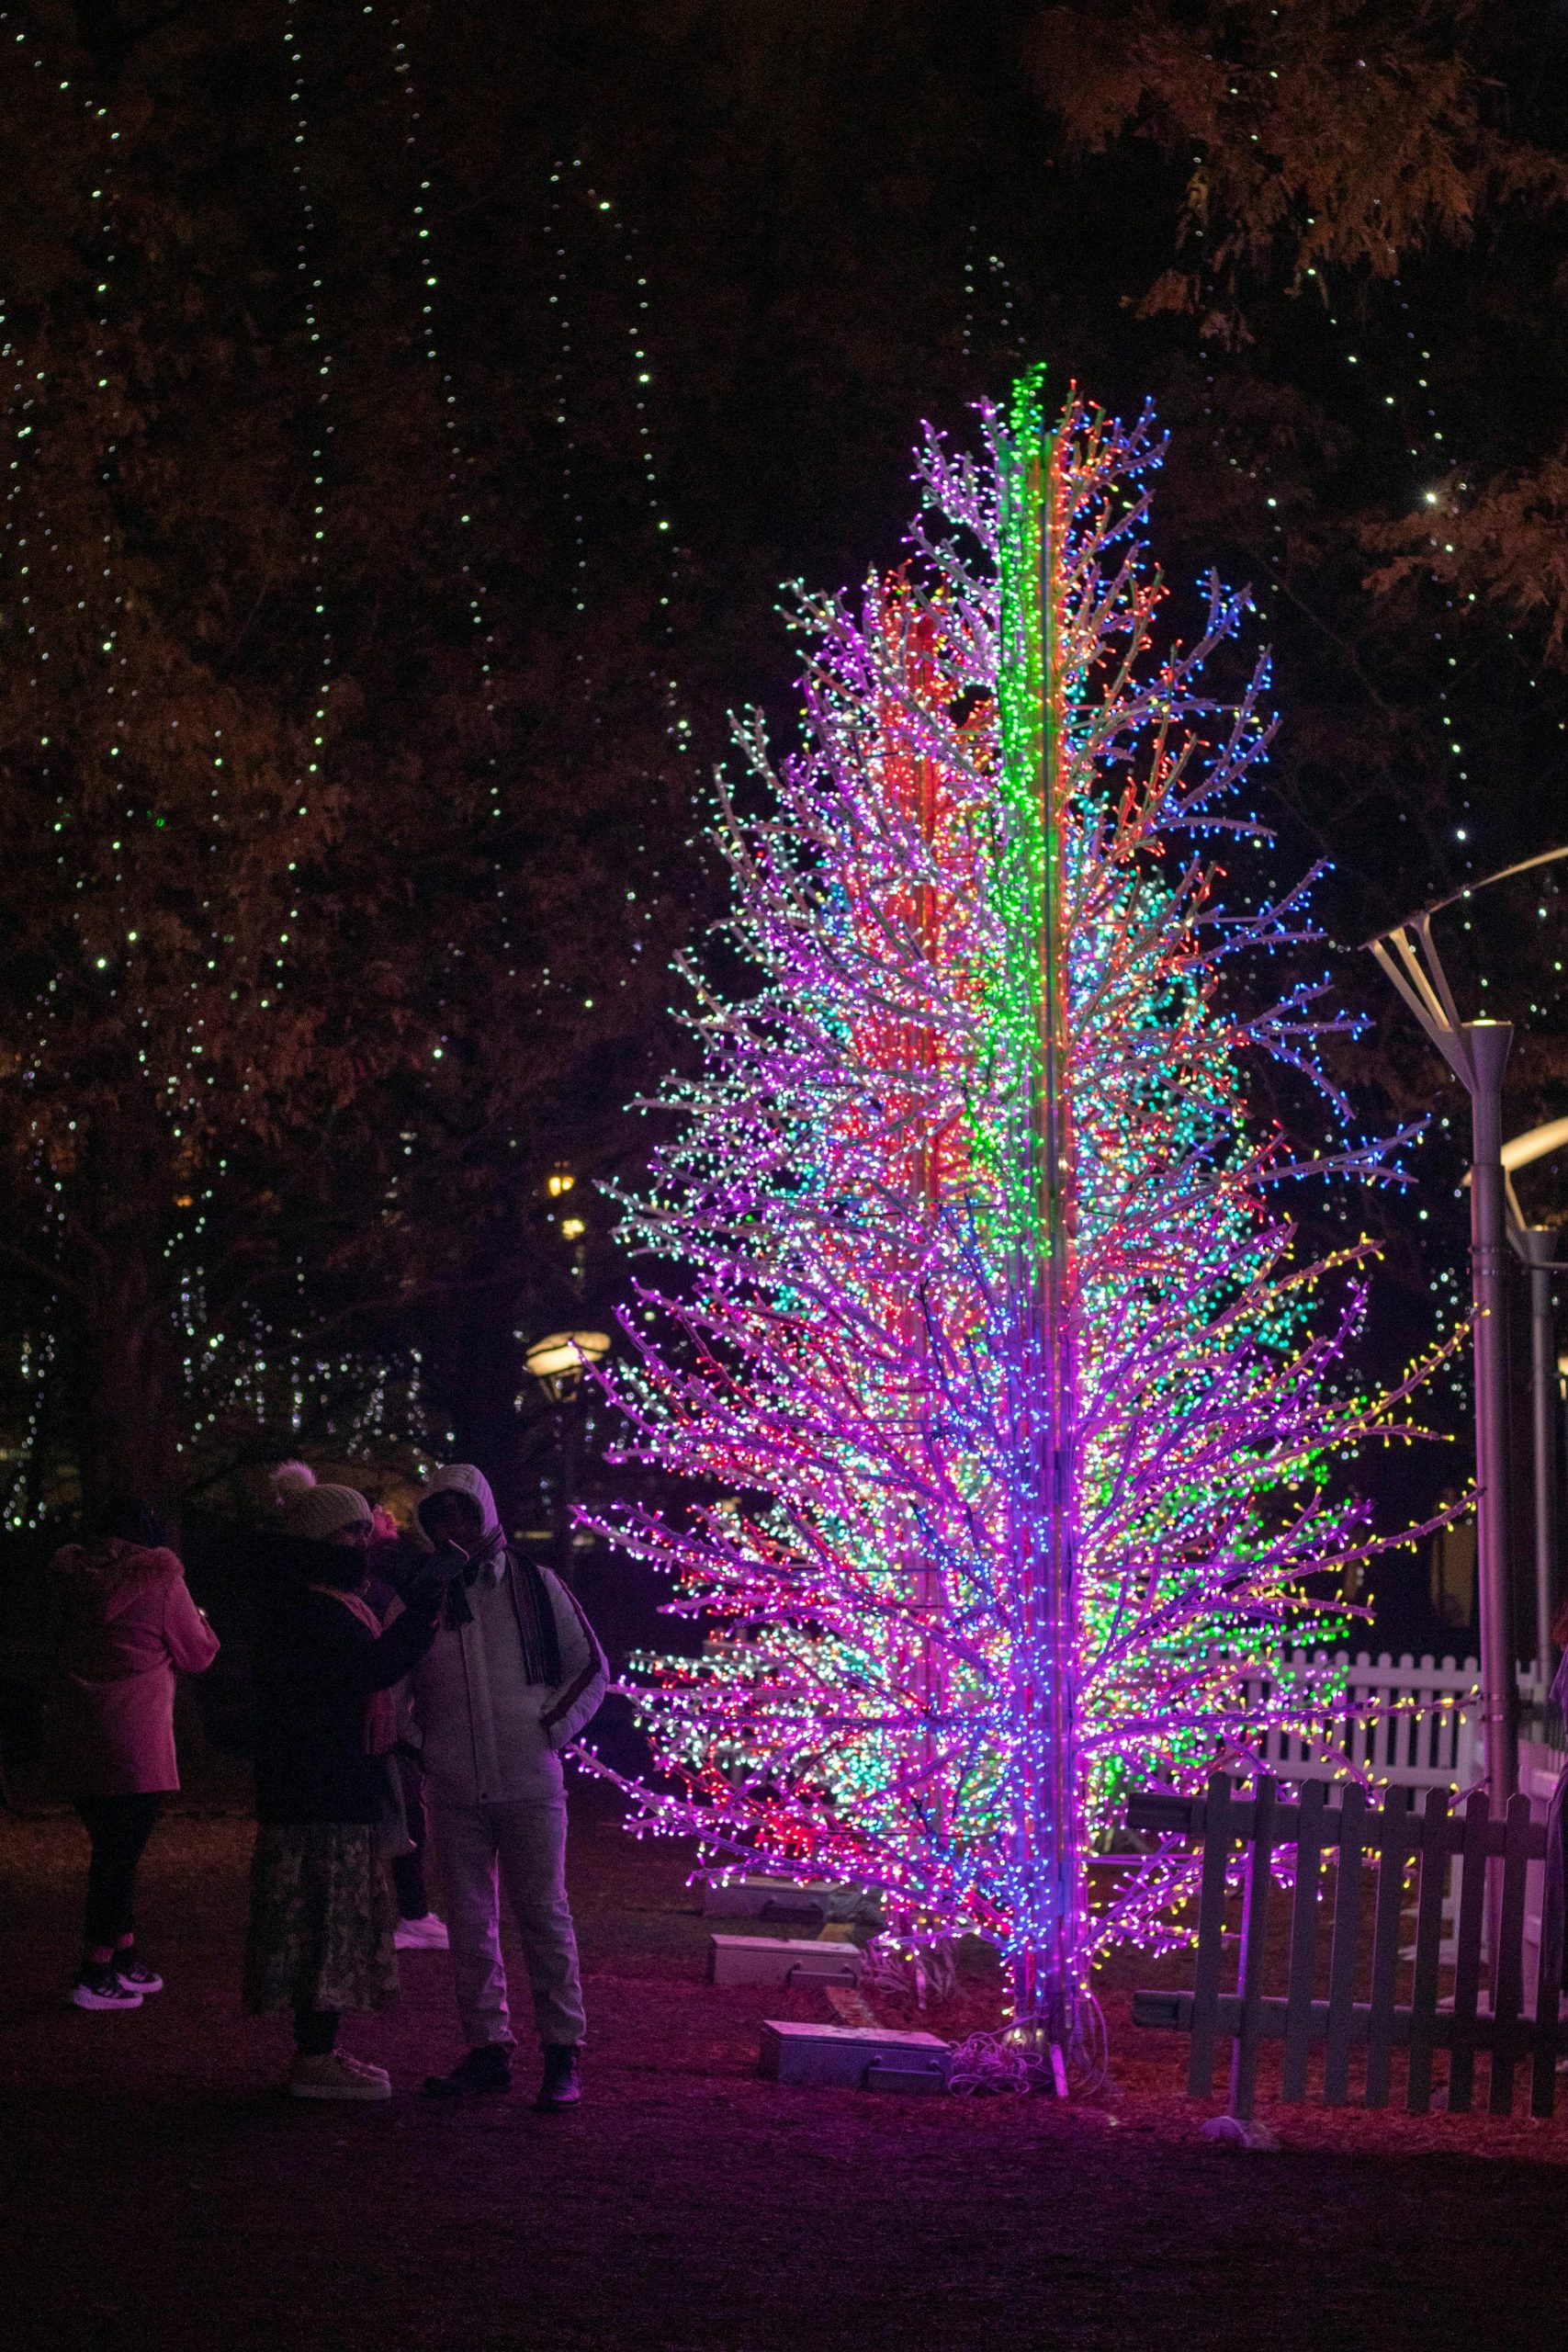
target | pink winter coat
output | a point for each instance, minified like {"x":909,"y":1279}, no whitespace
{"x":128,"y":1622}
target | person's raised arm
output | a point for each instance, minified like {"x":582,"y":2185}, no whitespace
{"x":189,"y":1639}
{"x":375,"y":1664}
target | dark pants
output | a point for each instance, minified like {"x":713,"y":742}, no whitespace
{"x":120,"y":1829}
{"x":315,"y":2031}
{"x":408,"y":1872}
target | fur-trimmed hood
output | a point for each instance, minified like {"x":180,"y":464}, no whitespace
{"x":128,"y":1626}
{"x":111,"y":1573}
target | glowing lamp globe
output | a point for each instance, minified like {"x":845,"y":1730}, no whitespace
{"x":557,"y":1362}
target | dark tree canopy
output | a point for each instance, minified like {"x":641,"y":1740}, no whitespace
{"x":412,"y":419}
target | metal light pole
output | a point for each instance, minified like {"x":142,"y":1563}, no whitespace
{"x":1539,"y":1246}
{"x":558,"y":1364}
{"x":1477,"y":1053}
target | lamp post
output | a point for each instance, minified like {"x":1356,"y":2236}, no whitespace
{"x":1539,"y":1245}
{"x":557,"y":1363}
{"x":1477,"y":1053}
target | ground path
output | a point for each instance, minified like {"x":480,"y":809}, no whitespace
{"x":157,"y":2192}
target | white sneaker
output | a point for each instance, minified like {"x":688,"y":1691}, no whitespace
{"x":100,"y":1987}
{"x":428,"y":1934}
{"x":363,"y":2067}
{"x":333,"y":2077}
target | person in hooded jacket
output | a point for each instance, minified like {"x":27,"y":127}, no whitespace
{"x":514,"y":1672}
{"x":322,"y":1920}
{"x":127,"y":1625}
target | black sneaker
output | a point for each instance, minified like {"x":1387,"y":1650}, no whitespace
{"x":562,"y":2086}
{"x":488,"y":2068}
{"x":132,"y":1970}
{"x":99,"y":1986}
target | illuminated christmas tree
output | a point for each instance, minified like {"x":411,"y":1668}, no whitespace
{"x":1016,"y":1398}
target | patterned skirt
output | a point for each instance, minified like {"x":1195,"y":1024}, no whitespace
{"x":322,"y":1920}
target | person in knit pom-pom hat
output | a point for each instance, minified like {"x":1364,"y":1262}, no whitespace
{"x":288,"y":1479}
{"x":322,"y":1921}
{"x":319,"y":1514}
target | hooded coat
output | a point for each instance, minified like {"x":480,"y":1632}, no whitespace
{"x":128,"y":1624}
{"x":491,"y":1715}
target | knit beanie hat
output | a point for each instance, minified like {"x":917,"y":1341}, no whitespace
{"x":318,"y":1512}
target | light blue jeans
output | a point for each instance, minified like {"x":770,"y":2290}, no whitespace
{"x":521,"y":1847}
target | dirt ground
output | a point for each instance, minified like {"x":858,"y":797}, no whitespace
{"x":159,"y":2192}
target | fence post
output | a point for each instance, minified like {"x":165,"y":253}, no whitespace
{"x":1342,"y":1965}
{"x":1392,"y":1843}
{"x":1467,"y":1959}
{"x":1217,"y":1834}
{"x":1303,"y":1938}
{"x":1435,"y":1852}
{"x":1548,"y":1998}
{"x":1254,"y":1941}
{"x":1507,"y":1961}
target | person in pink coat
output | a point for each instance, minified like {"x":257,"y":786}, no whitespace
{"x":128,"y":1624}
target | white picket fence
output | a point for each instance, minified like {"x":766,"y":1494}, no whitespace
{"x":1408,"y":1723}
{"x":1415,"y":1723}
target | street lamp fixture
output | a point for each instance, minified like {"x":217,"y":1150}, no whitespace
{"x":559,"y":1363}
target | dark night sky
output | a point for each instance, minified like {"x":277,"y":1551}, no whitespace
{"x":809,"y":224}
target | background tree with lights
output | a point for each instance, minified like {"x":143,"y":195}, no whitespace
{"x":997,"y":1340}
{"x":311,"y":914}
{"x":544,"y":251}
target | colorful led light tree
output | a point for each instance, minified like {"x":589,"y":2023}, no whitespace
{"x":1001,"y":1364}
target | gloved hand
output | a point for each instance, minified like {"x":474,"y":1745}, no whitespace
{"x":440,"y":1576}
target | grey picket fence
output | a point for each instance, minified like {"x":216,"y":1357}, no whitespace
{"x":1360,"y":2008}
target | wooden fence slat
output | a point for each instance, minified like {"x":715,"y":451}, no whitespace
{"x":1467,"y":1961}
{"x":1303,"y":1938}
{"x":1217,"y":1833}
{"x":1342,"y":1962}
{"x":1173,"y":2010}
{"x":1429,"y":1934}
{"x":1548,"y":1998}
{"x":1254,"y":1941}
{"x":1392,"y":1847}
{"x":1509,"y":1961}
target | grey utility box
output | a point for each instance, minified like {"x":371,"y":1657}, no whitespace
{"x":781,"y":1960}
{"x":808,"y":1903}
{"x":853,"y":2057}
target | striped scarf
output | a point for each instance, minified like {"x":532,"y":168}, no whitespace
{"x":537,"y":1633}
{"x":536,"y":1628}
